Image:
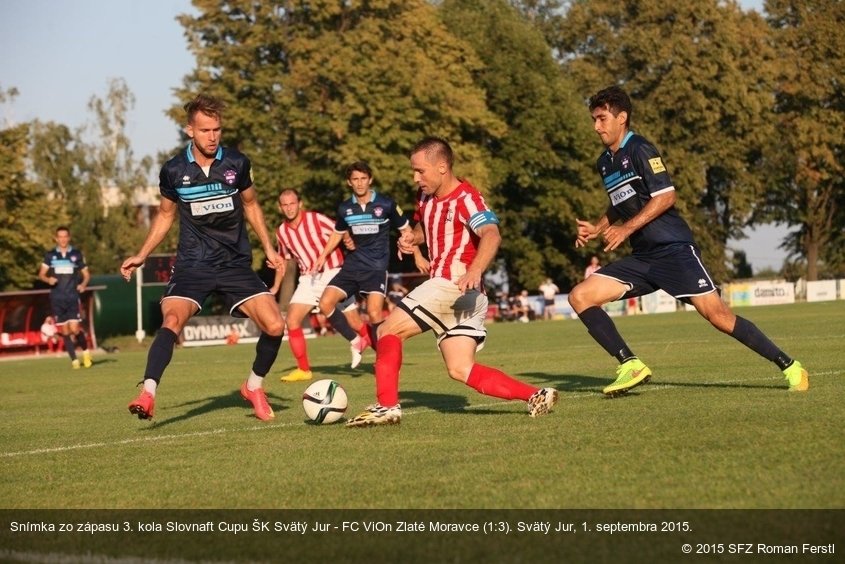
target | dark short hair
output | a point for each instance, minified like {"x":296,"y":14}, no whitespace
{"x":359,"y":166}
{"x":434,"y":147}
{"x":62,"y":228}
{"x":615,"y":100}
{"x":209,"y":105}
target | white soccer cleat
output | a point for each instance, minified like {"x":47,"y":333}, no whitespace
{"x":377,"y":415}
{"x":542,"y":401}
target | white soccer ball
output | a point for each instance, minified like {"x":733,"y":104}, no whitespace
{"x":324,"y":401}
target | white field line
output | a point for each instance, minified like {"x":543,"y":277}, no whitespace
{"x":649,"y":388}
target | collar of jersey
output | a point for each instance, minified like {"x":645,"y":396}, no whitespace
{"x":624,"y":141}
{"x":190,"y":155}
{"x":372,"y":199}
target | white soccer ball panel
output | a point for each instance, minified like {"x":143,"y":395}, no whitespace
{"x":324,"y":401}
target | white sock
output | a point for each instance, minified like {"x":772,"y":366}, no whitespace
{"x":150,"y":386}
{"x":254,"y":381}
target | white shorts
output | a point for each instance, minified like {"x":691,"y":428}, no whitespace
{"x":310,"y":287}
{"x":438,"y":304}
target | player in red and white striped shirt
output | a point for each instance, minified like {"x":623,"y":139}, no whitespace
{"x":462,"y":235}
{"x":303,"y":235}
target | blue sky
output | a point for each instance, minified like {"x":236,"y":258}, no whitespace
{"x":60,"y":53}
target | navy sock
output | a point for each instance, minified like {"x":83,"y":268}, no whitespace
{"x":602,"y":329}
{"x":338,"y":321}
{"x":69,"y":346}
{"x":749,"y":335}
{"x":266,"y":351}
{"x":161,"y":351}
{"x":81,"y":340}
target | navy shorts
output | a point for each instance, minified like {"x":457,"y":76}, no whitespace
{"x":675,"y":269}
{"x":361,"y":282}
{"x":234,"y":284}
{"x":65,"y":308}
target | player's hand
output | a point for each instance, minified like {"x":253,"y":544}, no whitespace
{"x":348,"y":242}
{"x":406,"y":242}
{"x":81,"y":288}
{"x":586,"y":233}
{"x":422,"y":264}
{"x":318,"y":265}
{"x":614,"y":236}
{"x":275,"y":261}
{"x":130,"y":265}
{"x":470,"y":280}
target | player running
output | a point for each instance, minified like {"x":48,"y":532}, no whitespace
{"x":665,"y":256}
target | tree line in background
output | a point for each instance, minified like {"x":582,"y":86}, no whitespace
{"x":748,"y":113}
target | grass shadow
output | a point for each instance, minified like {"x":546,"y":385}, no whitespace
{"x":207,"y":405}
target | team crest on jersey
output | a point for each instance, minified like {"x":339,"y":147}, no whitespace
{"x":449,"y":215}
{"x":625,"y":162}
{"x":229,"y":176}
{"x":378,"y":211}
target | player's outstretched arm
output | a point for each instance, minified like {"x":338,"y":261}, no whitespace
{"x":158,"y":230}
{"x":255,"y":218}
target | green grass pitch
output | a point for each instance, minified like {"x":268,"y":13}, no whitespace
{"x":715,"y":428}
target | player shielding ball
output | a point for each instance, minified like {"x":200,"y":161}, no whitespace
{"x":462,"y":235}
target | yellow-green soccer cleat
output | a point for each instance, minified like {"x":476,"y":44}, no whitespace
{"x":86,"y":359}
{"x":297,"y":375}
{"x":797,"y":376}
{"x":629,"y":375}
{"x":75,"y":363}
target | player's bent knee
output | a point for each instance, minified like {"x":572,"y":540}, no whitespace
{"x":460,"y":373}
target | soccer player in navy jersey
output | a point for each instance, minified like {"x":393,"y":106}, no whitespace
{"x":65,"y":271}
{"x":665,"y":256}
{"x":462,"y":236}
{"x":210,"y":189}
{"x":367,"y":217}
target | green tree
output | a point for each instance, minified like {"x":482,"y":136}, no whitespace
{"x":808,"y":159}
{"x":92,"y":182}
{"x":541,"y":165}
{"x":25,"y":209}
{"x":701,"y":76}
{"x":313,"y":86}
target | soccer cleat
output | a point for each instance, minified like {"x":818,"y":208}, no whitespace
{"x":629,"y":375}
{"x":143,"y":406}
{"x":86,"y":359}
{"x":75,"y":363}
{"x":797,"y":376}
{"x":297,"y":375}
{"x":377,"y":415}
{"x":542,"y":401}
{"x":258,"y":399}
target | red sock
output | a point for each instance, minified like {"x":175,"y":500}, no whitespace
{"x":492,"y":382}
{"x":388,"y":363}
{"x":364,"y":333}
{"x":296,"y":339}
